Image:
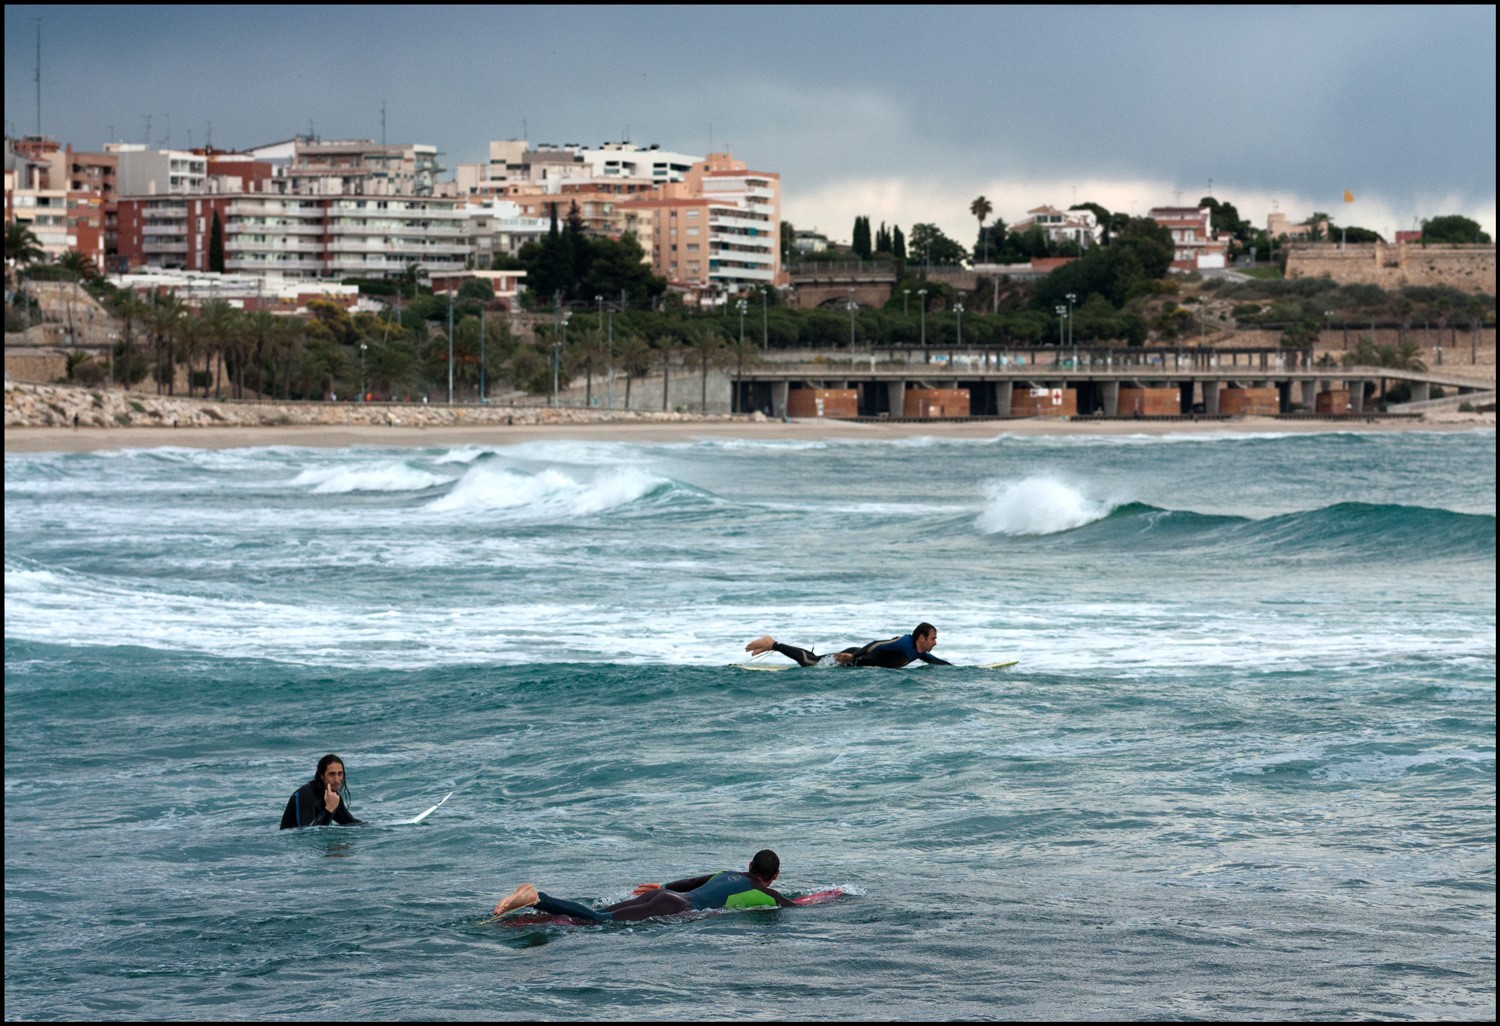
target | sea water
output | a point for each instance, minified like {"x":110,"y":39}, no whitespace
{"x":1245,"y":767}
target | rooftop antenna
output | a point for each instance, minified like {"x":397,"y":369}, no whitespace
{"x":382,"y":122}
{"x":38,"y":77}
{"x":210,"y":135}
{"x":167,"y":142}
{"x":148,"y":130}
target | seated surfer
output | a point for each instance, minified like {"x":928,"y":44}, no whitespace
{"x":322,"y":800}
{"x":715,"y":890}
{"x":892,"y":653}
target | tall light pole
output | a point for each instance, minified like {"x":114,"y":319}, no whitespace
{"x":905,"y":299}
{"x":926,"y":356}
{"x":609,"y":336}
{"x":853,"y":306}
{"x":450,"y":345}
{"x":959,"y":310}
{"x":364,"y":382}
{"x":1061,"y":312}
{"x":483,"y":396}
{"x":1072,"y":298}
{"x":742,"y":306}
{"x":765,"y":333}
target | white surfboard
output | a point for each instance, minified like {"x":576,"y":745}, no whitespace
{"x":418,"y":819}
{"x":775,"y":668}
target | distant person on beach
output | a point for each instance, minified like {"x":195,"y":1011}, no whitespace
{"x":715,"y":890}
{"x":321,"y":801}
{"x":892,"y":653}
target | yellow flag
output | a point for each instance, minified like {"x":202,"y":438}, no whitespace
{"x":1348,"y":196}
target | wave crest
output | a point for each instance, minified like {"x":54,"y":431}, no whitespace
{"x":1037,"y":505}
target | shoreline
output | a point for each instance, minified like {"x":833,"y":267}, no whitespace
{"x":95,"y":439}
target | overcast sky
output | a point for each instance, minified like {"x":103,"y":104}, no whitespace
{"x":901,"y":114}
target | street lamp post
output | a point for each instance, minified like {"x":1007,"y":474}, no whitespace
{"x":853,"y":306}
{"x":905,"y":299}
{"x":926,"y":356}
{"x":450,"y":345}
{"x":483,"y":396}
{"x":765,"y":332}
{"x":364,"y":382}
{"x":742,"y":306}
{"x":959,"y":310}
{"x":1072,"y":298}
{"x":1061,"y":312}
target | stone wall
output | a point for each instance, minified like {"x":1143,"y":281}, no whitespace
{"x":36,"y":366}
{"x":1466,"y":268}
{"x":28,"y":405}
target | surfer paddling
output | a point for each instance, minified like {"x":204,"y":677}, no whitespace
{"x":714,"y":890}
{"x":892,"y":653}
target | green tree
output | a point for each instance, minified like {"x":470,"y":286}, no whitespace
{"x":1450,"y":229}
{"x":929,"y":247}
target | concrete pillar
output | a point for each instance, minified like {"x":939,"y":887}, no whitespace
{"x":1004,"y":391}
{"x":1111,"y":395}
{"x":779,"y":390}
{"x":1310,"y":393}
{"x":1356,"y":396}
{"x":895,"y":397}
{"x":1211,"y":390}
{"x":1421,"y":391}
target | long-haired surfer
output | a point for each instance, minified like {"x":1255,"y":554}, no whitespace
{"x":321,"y":801}
{"x":892,"y":653}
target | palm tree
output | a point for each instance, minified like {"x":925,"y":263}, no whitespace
{"x":216,"y":320}
{"x":22,"y":247}
{"x":742,"y":353}
{"x":708,"y":344}
{"x":982,"y":208}
{"x":667,"y":346}
{"x":165,"y":318}
{"x":634,"y":357}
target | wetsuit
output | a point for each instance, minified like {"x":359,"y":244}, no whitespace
{"x":716,"y":890}
{"x":305,"y":808}
{"x":892,"y":654}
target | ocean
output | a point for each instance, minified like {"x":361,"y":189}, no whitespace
{"x":1243,"y":769}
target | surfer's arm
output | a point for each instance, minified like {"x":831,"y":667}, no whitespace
{"x":690,"y":884}
{"x":933,"y":660}
{"x":782,"y":901}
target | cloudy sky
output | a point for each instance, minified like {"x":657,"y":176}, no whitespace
{"x":903,"y":114}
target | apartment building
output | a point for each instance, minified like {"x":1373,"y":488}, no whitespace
{"x":344,"y":167}
{"x":146,"y":172}
{"x":295,"y":236}
{"x":718,"y":231}
{"x":1195,"y":246}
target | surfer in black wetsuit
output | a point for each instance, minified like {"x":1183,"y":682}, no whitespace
{"x":322,"y":800}
{"x":714,"y":890}
{"x":892,"y":653}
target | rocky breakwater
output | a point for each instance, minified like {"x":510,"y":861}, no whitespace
{"x":63,"y":406}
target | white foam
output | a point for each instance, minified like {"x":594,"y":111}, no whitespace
{"x":547,"y":494}
{"x":371,"y":477}
{"x":1037,"y":505}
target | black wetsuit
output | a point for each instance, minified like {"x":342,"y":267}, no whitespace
{"x":305,"y":808}
{"x":892,"y":654}
{"x":715,"y":890}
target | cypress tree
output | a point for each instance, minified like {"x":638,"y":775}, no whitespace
{"x":216,"y":246}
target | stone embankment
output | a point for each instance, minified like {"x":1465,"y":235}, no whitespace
{"x":29,"y":405}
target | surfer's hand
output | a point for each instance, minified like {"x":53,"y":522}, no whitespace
{"x":646,"y":888}
{"x":330,"y":799}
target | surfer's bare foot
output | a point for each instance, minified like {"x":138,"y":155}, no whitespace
{"x":521,"y":897}
{"x":760,"y":646}
{"x":843,"y":658}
